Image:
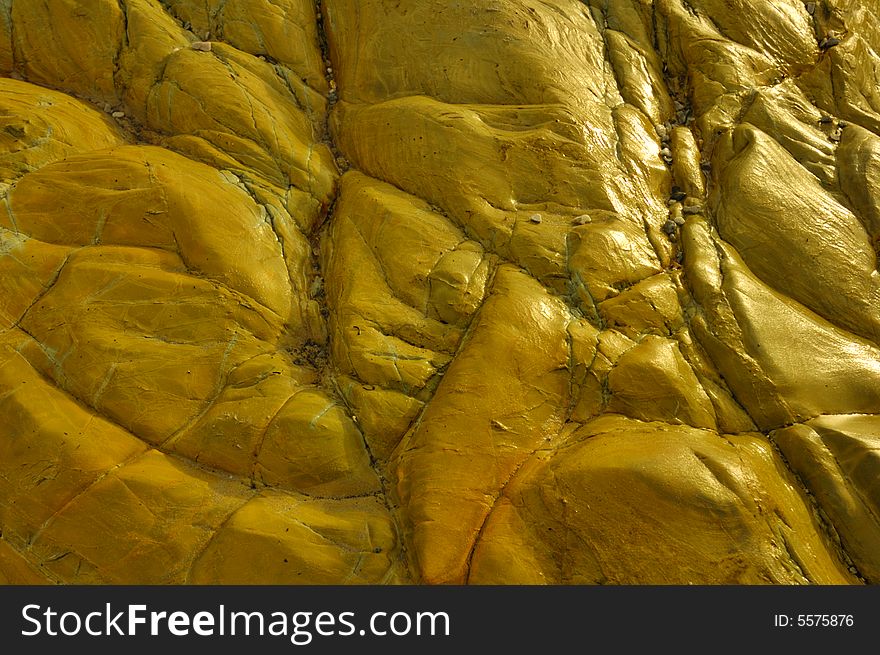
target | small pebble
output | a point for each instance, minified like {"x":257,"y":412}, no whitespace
{"x":662,"y":132}
{"x":583,"y":219}
{"x":535,"y":218}
{"x":842,"y":124}
{"x":678,"y":220}
{"x":108,"y":108}
{"x":705,"y":166}
{"x":693,"y":209}
{"x":201,"y":46}
{"x":316,"y":286}
{"x":811,"y":8}
{"x":669,"y":227}
{"x":665,"y":152}
{"x":829,"y":42}
{"x":118,"y":114}
{"x":825,"y":120}
{"x":678,"y":194}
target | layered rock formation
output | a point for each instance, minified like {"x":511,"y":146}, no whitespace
{"x":409,"y":291}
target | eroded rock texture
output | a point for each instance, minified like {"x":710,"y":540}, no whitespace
{"x":439,"y":291}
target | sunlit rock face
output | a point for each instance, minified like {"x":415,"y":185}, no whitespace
{"x":409,"y":291}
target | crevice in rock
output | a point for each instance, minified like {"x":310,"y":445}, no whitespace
{"x":316,"y":239}
{"x":823,"y":522}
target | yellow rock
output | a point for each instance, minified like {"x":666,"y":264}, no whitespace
{"x":807,"y":244}
{"x":639,"y":70}
{"x":657,"y":505}
{"x":313,"y":445}
{"x":149,"y":197}
{"x":16,"y":570}
{"x":588,"y":377}
{"x":686,"y":163}
{"x":649,"y":306}
{"x":608,"y":255}
{"x":285,"y":30}
{"x":231,"y":90}
{"x":781,"y":30}
{"x":837,"y":458}
{"x":859,"y":167}
{"x":106,"y":321}
{"x":388,"y":291}
{"x":518,"y":39}
{"x":59,"y":449}
{"x":230,"y":434}
{"x":48,"y":42}
{"x":477,"y":431}
{"x":151,"y":37}
{"x":27,"y":268}
{"x":160,"y":511}
{"x":40,"y":126}
{"x":7,"y":59}
{"x":384,"y":415}
{"x":302,"y":541}
{"x":785,"y":112}
{"x":652,"y":381}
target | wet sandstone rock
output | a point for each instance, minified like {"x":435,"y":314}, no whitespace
{"x":544,"y":292}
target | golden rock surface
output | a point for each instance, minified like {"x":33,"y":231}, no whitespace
{"x":395,"y":291}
